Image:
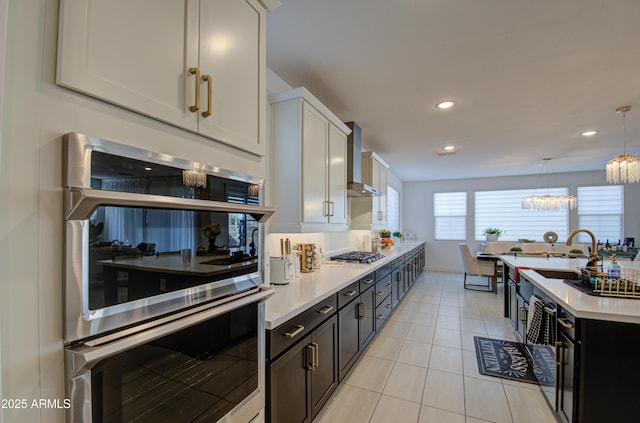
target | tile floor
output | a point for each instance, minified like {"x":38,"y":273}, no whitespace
{"x":422,"y":366}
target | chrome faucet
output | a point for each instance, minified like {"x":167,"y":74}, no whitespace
{"x":594,"y":258}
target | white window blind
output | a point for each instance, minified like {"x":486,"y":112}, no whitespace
{"x":600,"y":210}
{"x":503,"y":210}
{"x":393,"y":209}
{"x":450,"y":213}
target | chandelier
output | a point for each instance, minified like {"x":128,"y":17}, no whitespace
{"x":193,"y":178}
{"x":625,"y":167}
{"x":548,"y":201}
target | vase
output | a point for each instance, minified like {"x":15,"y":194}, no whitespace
{"x":492,"y":237}
{"x":212,"y":244}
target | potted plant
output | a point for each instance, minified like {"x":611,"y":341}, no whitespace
{"x":397,"y":234}
{"x":492,"y":234}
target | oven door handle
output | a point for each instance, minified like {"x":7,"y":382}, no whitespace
{"x":83,"y":358}
{"x":80,"y":203}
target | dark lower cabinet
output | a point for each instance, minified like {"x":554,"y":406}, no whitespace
{"x":348,"y":337}
{"x":324,"y":374}
{"x":356,"y":328}
{"x":399,"y":288}
{"x":289,"y":385}
{"x":303,"y":378}
{"x":565,"y":375}
{"x":367,"y":317}
{"x":310,"y":353}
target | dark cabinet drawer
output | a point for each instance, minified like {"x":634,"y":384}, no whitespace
{"x":367,"y":282}
{"x":290,"y":332}
{"x":383,"y":310}
{"x":383,"y":288}
{"x":348,"y":294}
{"x":383,"y":271}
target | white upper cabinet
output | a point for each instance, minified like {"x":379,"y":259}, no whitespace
{"x":337,"y":183}
{"x":195,"y":64}
{"x":371,"y":212}
{"x":308,"y":165}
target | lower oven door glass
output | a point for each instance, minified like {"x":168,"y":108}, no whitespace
{"x":197,"y":373}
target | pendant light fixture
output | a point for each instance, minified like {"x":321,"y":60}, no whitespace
{"x":625,"y":167}
{"x":547,"y":201}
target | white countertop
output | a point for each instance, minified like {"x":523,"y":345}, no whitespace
{"x":578,"y":303}
{"x":311,"y":288}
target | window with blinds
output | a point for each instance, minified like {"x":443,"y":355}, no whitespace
{"x":503,"y":210}
{"x":601,"y":210}
{"x":393,"y":209}
{"x":450,"y":215}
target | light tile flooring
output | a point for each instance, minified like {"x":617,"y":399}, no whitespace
{"x":422,"y":366}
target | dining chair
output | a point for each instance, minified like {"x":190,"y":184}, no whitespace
{"x":473,"y":266}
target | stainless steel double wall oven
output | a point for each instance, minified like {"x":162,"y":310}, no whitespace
{"x":163,"y":299}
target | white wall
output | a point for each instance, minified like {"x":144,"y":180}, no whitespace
{"x":444,"y":255}
{"x":36,"y":113}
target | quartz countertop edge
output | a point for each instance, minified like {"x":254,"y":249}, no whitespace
{"x":581,"y":305}
{"x":311,"y":288}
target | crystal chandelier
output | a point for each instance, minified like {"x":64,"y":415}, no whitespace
{"x":193,"y":178}
{"x":548,"y":202}
{"x":625,"y":167}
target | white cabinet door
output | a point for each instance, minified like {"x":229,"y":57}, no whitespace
{"x":121,"y":52}
{"x":314,"y":165}
{"x":139,"y":55}
{"x":337,"y":175}
{"x":380,"y":203}
{"x":232,"y":41}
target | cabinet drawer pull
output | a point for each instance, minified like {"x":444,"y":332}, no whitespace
{"x":316,"y":359}
{"x":389,"y":305}
{"x":350,"y":293}
{"x":325,"y":309}
{"x":389,"y":285}
{"x":558,"y":344}
{"x":565,"y":323}
{"x":523,"y":314}
{"x":380,"y":316}
{"x":379,"y":293}
{"x":196,"y":72}
{"x":294,"y":332}
{"x":333,"y":208}
{"x":367,"y":281}
{"x":209,"y":80}
{"x":361,"y":311}
{"x":308,"y":359}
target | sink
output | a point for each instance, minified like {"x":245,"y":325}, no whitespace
{"x":558,"y":274}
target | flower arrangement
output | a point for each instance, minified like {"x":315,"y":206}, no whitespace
{"x":212,"y":230}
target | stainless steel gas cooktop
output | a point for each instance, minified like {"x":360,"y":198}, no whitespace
{"x":358,"y":257}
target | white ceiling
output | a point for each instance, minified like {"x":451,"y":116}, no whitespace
{"x":528,"y":77}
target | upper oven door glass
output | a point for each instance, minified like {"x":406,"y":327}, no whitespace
{"x":147,"y":234}
{"x":164,"y":251}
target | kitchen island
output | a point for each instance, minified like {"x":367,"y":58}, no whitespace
{"x":594,"y":340}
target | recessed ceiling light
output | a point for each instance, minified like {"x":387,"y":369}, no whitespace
{"x":446,"y":104}
{"x":589,"y":133}
{"x":147,"y":169}
{"x":449,"y":148}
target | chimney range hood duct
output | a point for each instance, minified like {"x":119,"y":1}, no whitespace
{"x":355,"y":188}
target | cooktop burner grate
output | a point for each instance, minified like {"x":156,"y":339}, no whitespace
{"x":358,"y":257}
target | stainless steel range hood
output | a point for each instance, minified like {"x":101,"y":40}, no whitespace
{"x":355,"y":187}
